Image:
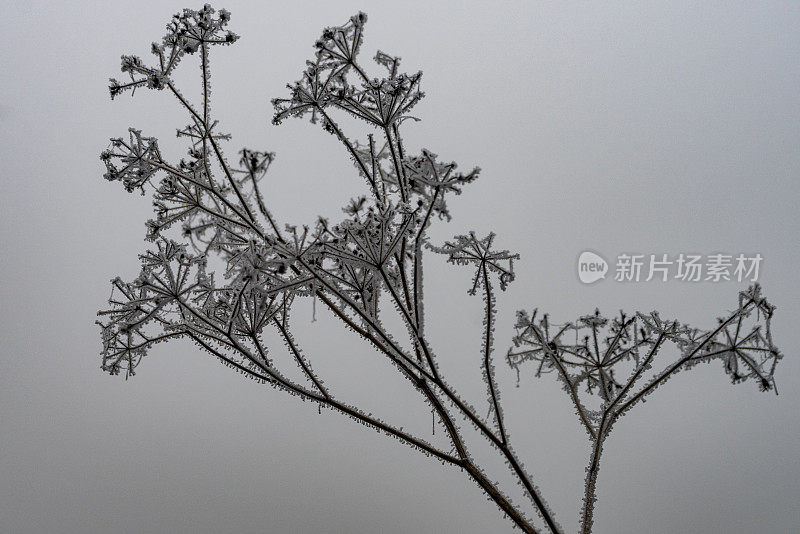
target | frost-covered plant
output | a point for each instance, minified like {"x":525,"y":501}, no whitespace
{"x":221,"y":270}
{"x":591,"y":355}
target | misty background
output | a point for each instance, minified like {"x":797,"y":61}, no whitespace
{"x":650,"y":128}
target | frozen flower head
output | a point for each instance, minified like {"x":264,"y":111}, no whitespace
{"x":469,"y":250}
{"x":596,"y":354}
{"x":336,"y":78}
{"x":187,"y":33}
{"x":132,"y":161}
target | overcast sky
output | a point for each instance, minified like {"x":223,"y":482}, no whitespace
{"x":648,"y":128}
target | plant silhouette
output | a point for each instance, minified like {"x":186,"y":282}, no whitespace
{"x":210,"y":212}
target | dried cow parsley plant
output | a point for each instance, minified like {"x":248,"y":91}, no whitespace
{"x":222,"y":271}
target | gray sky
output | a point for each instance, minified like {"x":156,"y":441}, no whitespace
{"x":652,"y":128}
